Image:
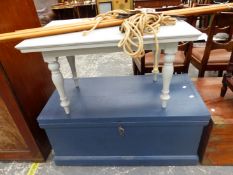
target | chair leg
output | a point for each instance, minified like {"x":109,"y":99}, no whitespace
{"x":201,"y":73}
{"x":141,"y":73}
{"x":220,"y":72}
{"x":224,"y":86}
{"x":135,"y":69}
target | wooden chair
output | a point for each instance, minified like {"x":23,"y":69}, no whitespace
{"x":145,"y":64}
{"x":228,"y":77}
{"x":215,"y":55}
{"x":155,"y":3}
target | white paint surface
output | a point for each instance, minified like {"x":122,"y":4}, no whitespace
{"x":104,"y":41}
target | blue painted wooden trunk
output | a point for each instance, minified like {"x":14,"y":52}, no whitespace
{"x":120,"y":121}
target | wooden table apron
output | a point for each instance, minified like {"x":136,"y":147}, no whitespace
{"x":104,"y":41}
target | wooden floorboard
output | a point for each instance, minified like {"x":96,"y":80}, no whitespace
{"x":209,"y":89}
{"x":216,"y":147}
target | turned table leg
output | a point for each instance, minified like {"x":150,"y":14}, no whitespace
{"x":168,"y":69}
{"x":156,"y":60}
{"x":58,"y":81}
{"x":71,"y":61}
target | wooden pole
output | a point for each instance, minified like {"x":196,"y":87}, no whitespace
{"x":54,"y":30}
{"x":38,"y":29}
{"x":87,"y":25}
{"x":200,"y":10}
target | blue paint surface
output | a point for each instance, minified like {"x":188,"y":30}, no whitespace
{"x":91,"y":134}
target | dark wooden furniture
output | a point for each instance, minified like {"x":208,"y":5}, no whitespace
{"x":78,"y":10}
{"x":145,"y":64}
{"x":155,"y":3}
{"x":25,"y":87}
{"x":217,"y":141}
{"x":87,"y":10}
{"x":228,"y":78}
{"x":193,"y":2}
{"x":215,"y":55}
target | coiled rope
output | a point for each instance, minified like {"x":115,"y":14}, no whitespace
{"x":109,"y":15}
{"x":134,"y":28}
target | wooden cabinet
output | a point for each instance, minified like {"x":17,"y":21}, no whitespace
{"x":10,"y":137}
{"x":62,"y":11}
{"x":25,"y":87}
{"x":155,"y":3}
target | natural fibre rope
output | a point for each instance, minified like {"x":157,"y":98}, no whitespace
{"x":134,"y":28}
{"x":109,"y":15}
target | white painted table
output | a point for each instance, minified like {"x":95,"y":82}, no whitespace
{"x":105,"y":41}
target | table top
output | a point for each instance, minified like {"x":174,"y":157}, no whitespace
{"x":106,"y":37}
